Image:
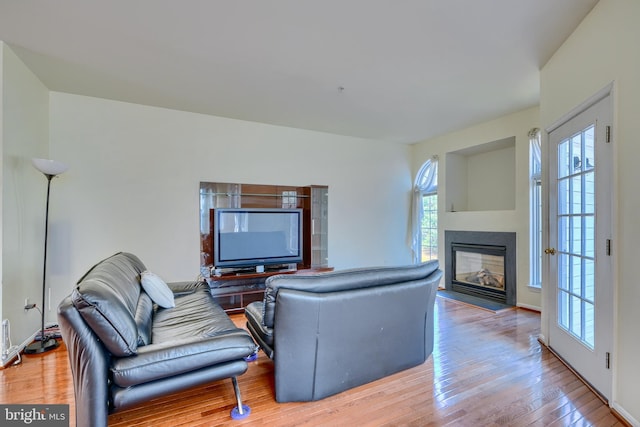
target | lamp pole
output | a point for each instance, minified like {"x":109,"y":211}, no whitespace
{"x":50,"y":169}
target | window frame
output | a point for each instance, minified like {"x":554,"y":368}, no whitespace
{"x":535,"y":210}
{"x":426,"y":185}
{"x":427,"y":217}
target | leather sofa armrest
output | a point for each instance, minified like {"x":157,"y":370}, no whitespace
{"x":89,"y":367}
{"x":262,"y":334}
{"x":181,"y":288}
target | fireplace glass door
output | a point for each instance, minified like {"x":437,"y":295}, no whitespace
{"x":480,"y":269}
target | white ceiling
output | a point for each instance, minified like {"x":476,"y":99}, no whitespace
{"x":400,"y":71}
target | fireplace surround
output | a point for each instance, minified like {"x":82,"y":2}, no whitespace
{"x":481,"y":264}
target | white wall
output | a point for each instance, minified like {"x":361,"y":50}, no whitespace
{"x":456,"y":198}
{"x":135,"y":171}
{"x":25,"y":112}
{"x":604,"y":49}
{"x":513,"y":220}
{"x":490,"y":183}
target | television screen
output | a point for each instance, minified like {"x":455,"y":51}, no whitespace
{"x":245,"y":237}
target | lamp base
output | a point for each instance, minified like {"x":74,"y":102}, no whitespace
{"x":41,"y":346}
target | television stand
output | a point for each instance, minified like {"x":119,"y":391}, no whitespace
{"x":234,"y":291}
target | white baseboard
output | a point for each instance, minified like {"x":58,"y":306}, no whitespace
{"x":15,"y":350}
{"x":529,"y":307}
{"x":624,"y":414}
{"x":11,"y":354}
{"x":542,"y":339}
{"x":620,"y":412}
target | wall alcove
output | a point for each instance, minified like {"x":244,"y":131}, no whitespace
{"x":482,"y":177}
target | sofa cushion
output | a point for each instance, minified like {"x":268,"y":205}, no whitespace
{"x":109,"y":318}
{"x":195,"y":314}
{"x":107,"y":298}
{"x":196,"y":333}
{"x":120,"y":272}
{"x":157,"y":361}
{"x":341,"y":280}
{"x":157,"y":289}
{"x":144,"y":319}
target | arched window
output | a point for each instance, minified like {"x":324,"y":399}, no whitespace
{"x":425,"y":212}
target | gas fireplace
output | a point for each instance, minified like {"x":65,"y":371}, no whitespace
{"x":481,"y":264}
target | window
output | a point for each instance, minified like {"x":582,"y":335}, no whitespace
{"x":429,"y":227}
{"x":425,"y":212}
{"x":535,"y":206}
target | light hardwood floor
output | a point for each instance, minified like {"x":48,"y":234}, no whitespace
{"x":486,"y":370}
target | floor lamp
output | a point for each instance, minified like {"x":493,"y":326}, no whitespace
{"x":49,"y":168}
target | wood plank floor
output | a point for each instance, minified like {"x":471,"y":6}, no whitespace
{"x":487,"y":370}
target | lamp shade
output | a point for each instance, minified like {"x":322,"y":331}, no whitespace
{"x":49,"y":167}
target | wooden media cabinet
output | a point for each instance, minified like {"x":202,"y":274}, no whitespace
{"x":236,"y":290}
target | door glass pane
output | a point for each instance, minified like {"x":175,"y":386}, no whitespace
{"x":589,"y":280}
{"x":575,"y":316}
{"x":563,"y":271}
{"x":564,"y":244}
{"x":589,"y":325}
{"x":589,"y":148}
{"x":564,"y":163}
{"x":563,"y":309}
{"x":575,"y":193}
{"x":576,"y":235}
{"x":564,"y":199}
{"x":589,"y":192}
{"x":589,"y":242}
{"x":576,"y":152}
{"x":576,"y":275}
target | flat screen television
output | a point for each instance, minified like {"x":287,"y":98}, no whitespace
{"x":246,"y":237}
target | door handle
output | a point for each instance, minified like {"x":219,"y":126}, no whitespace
{"x":550,"y":251}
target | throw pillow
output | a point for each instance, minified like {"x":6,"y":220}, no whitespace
{"x":157,"y":289}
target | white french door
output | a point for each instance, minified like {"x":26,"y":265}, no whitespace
{"x":579,"y":256}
